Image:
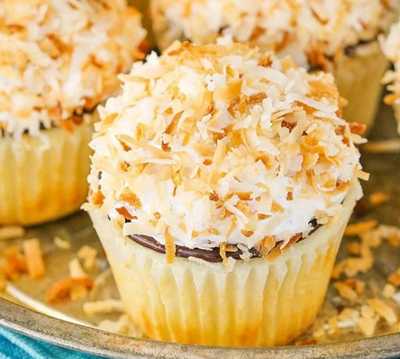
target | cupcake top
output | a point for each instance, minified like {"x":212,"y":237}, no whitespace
{"x":60,"y":58}
{"x":391,"y":48}
{"x":214,"y":145}
{"x":308,"y":30}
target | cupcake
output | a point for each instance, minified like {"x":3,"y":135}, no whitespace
{"x":333,"y":35}
{"x":391,"y":48}
{"x":58,"y":61}
{"x":221,"y":183}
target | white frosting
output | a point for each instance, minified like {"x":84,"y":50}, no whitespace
{"x":59,"y":58}
{"x":222,"y":144}
{"x":298,"y":27}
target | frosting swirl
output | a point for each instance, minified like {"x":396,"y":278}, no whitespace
{"x":59,"y":58}
{"x":211,"y":146}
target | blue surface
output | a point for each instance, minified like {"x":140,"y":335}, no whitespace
{"x":15,"y":346}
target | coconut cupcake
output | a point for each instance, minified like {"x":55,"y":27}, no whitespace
{"x":221,"y":183}
{"x":333,"y":35}
{"x":391,"y":47}
{"x":58,"y":60}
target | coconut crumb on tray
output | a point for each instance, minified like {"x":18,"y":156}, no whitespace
{"x":11,"y":232}
{"x":103,"y":307}
{"x":363,"y":307}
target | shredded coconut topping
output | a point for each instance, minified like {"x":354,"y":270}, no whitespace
{"x":212,"y":145}
{"x":59,"y":58}
{"x":391,"y":48}
{"x":306,"y":29}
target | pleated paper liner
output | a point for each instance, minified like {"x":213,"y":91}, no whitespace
{"x":256,"y":303}
{"x":396,"y":109}
{"x":43,"y":177}
{"x":359,"y":76}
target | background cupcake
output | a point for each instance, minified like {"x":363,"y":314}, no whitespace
{"x":339,"y":36}
{"x":58,"y":61}
{"x":222,"y":180}
{"x":391,"y":48}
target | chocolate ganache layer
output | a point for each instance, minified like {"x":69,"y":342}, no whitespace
{"x":212,"y":256}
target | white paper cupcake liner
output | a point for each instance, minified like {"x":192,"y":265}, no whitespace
{"x":359,"y":78}
{"x":43,"y":177}
{"x":257,"y":303}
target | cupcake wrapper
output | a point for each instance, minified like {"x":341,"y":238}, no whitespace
{"x":359,"y":78}
{"x":43,"y":177}
{"x":396,"y":109}
{"x":256,"y":303}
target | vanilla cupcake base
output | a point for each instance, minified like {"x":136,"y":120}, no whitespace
{"x":43,"y":177}
{"x":359,"y":78}
{"x":256,"y":303}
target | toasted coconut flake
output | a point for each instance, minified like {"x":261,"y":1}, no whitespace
{"x":357,"y":229}
{"x":103,"y":307}
{"x":122,"y":326}
{"x":346,"y":291}
{"x":34,"y":258}
{"x":97,"y":198}
{"x":353,"y":266}
{"x":363,"y":175}
{"x":75,"y":269}
{"x":378,"y":198}
{"x":15,"y":262}
{"x":394,"y":279}
{"x":88,"y":255}
{"x":389,"y":291}
{"x":383,"y":310}
{"x":62,"y":289}
{"x":62,"y":243}
{"x":367,"y":326}
{"x":11,"y":232}
{"x":358,"y":128}
{"x":354,"y":248}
